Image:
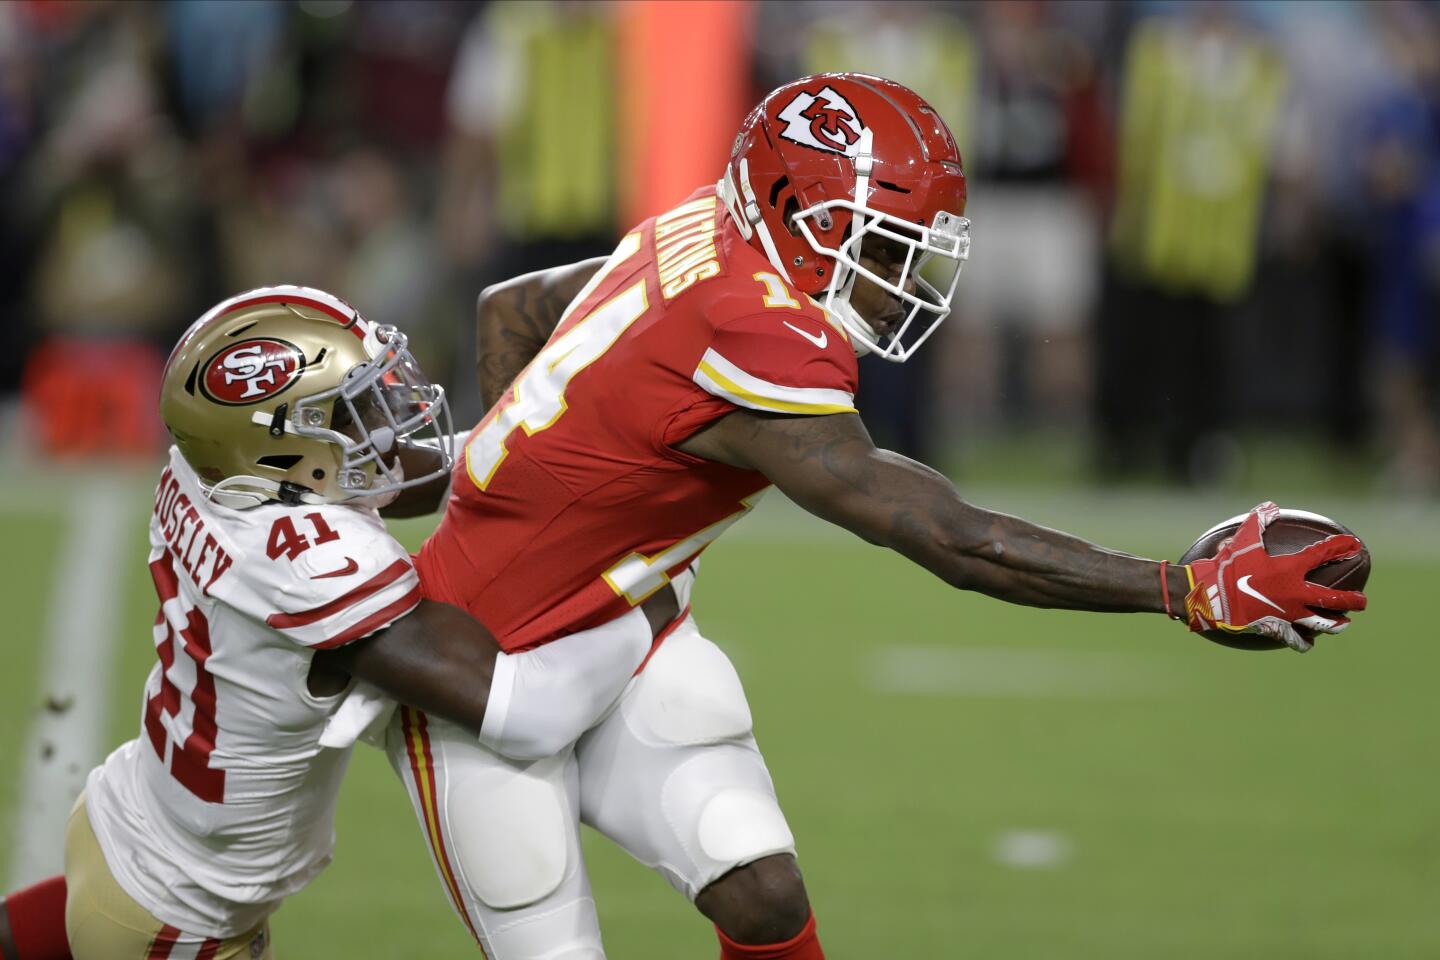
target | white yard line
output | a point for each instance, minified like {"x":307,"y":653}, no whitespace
{"x":68,"y":733}
{"x":1031,"y":849}
{"x":1013,"y":673}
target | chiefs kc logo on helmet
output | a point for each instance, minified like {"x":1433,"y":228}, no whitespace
{"x":251,"y":371}
{"x":822,"y":121}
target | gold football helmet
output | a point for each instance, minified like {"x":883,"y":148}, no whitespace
{"x":287,"y":393}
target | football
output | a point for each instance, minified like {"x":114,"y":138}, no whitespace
{"x":1290,"y":532}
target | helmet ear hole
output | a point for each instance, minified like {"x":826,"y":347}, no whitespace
{"x":787,"y":216}
{"x":778,"y":186}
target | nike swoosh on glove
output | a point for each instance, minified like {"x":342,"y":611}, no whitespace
{"x":1243,"y":589}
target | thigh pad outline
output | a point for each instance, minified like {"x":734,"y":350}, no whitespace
{"x":510,"y":831}
{"x":688,"y":694}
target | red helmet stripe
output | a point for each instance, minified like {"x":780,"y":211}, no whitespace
{"x":352,"y":323}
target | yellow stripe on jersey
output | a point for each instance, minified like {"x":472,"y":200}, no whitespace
{"x":724,"y":379}
{"x":636,"y":576}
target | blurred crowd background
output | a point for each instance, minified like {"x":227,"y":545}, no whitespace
{"x":1198,"y":227}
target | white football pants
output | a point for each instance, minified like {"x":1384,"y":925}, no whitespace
{"x":672,"y":774}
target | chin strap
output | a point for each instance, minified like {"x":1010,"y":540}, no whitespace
{"x":850,"y":319}
{"x":837,"y":295}
{"x":240,"y":499}
{"x":845,"y":277}
{"x":864,"y":166}
{"x":251,"y":492}
{"x":750,"y":220}
{"x":730,"y":196}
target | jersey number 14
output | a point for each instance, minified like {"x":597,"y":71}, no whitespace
{"x":537,"y":398}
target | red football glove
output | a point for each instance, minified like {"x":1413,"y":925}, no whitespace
{"x":1245,"y":590}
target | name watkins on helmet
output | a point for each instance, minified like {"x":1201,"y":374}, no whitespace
{"x":823,"y":121}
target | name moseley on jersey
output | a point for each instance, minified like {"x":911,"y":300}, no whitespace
{"x":203,"y":560}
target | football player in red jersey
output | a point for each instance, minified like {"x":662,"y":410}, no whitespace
{"x":712,"y":356}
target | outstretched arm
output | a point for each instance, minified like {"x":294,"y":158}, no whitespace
{"x":514,"y":319}
{"x":830,"y":466}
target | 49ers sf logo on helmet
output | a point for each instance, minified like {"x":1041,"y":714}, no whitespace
{"x":251,"y":371}
{"x":823,"y":121}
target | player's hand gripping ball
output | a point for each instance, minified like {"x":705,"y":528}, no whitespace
{"x":1274,"y":578}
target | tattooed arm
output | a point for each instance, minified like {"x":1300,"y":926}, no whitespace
{"x":830,"y":466}
{"x":514,"y":319}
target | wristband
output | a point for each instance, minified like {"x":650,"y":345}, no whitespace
{"x":1165,"y":590}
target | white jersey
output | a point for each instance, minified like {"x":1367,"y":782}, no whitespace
{"x":225,"y":803}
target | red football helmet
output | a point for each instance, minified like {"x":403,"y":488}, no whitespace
{"x":840,"y":167}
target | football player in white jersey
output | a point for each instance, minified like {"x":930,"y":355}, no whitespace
{"x":294,"y":420}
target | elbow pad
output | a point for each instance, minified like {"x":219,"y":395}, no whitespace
{"x":543,"y":699}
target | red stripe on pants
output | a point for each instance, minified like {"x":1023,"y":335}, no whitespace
{"x":163,"y":943}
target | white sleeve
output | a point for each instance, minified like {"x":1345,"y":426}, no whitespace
{"x":540,"y":700}
{"x":543,"y":699}
{"x":350,"y":580}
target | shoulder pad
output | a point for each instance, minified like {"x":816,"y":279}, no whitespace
{"x":325,"y":576}
{"x":784,"y":362}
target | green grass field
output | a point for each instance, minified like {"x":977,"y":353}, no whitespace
{"x":1207,"y":803}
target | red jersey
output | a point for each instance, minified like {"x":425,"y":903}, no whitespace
{"x":571,"y":503}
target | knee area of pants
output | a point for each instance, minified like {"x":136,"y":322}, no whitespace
{"x":688,"y":694}
{"x":511,"y":843}
{"x":564,"y":931}
{"x":762,"y":902}
{"x":738,"y":825}
{"x":721,"y":806}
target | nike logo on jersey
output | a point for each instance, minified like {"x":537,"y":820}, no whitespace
{"x":1243,"y":585}
{"x":350,"y":567}
{"x":819,"y":341}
